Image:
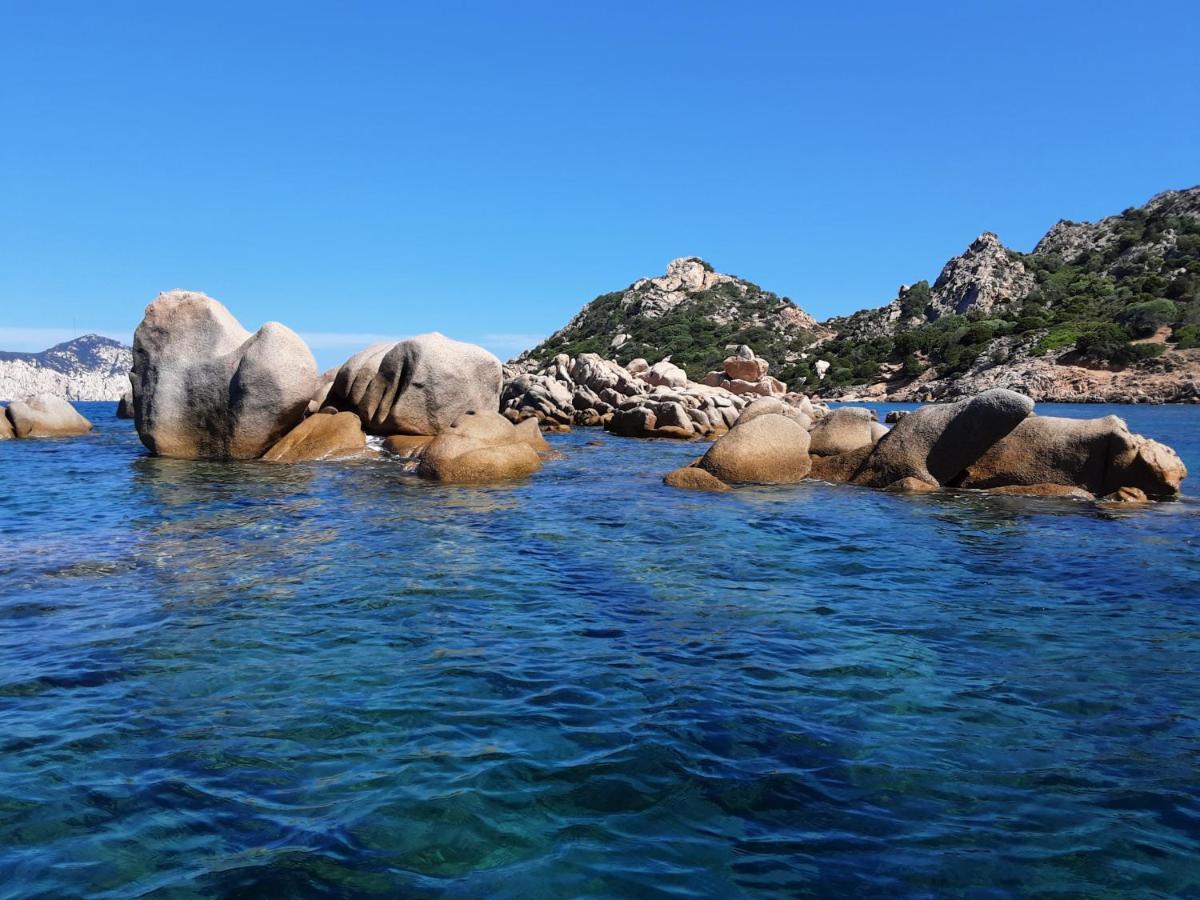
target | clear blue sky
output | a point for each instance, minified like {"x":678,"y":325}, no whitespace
{"x":358,"y":169}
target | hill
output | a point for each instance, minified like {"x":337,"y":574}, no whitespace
{"x":1096,"y":311}
{"x":693,"y":314}
{"x":90,"y":367}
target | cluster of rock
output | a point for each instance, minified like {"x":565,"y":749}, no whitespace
{"x":640,"y":400}
{"x":993,"y":442}
{"x":42,"y":415}
{"x":203,"y":387}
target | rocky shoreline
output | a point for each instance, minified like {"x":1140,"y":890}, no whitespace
{"x":204,"y":387}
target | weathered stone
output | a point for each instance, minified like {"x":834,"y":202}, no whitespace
{"x":692,"y":478}
{"x":206,"y":388}
{"x":840,"y":468}
{"x":937,"y":443}
{"x":844,"y":430}
{"x":1098,"y":455}
{"x":6,"y":429}
{"x":751,"y":369}
{"x":407,"y":446}
{"x":320,"y":437}
{"x":45,"y":416}
{"x":529,"y":432}
{"x":666,"y":373}
{"x":770,"y":449}
{"x":418,"y":386}
{"x":479,"y":447}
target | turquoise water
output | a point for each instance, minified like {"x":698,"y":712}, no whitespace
{"x":334,"y":680}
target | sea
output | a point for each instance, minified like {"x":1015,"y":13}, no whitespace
{"x":337,"y":680}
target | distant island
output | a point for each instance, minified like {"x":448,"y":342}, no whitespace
{"x":1105,"y":312}
{"x":90,"y":367}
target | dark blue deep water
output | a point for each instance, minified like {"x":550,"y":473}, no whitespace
{"x":247,"y":680}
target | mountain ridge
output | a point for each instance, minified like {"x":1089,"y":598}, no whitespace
{"x":89,"y":367}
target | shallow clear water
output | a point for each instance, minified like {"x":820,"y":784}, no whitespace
{"x":241,"y":679}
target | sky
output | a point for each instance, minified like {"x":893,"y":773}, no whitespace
{"x":361,"y":171}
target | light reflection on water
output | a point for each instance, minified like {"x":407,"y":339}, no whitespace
{"x":338,"y":679}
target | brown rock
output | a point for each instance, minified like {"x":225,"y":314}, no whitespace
{"x":745,"y":369}
{"x":911,"y":485}
{"x":840,"y":468}
{"x":479,"y":447}
{"x":529,"y":432}
{"x":1099,"y":455}
{"x":842,"y":431}
{"x":6,"y":429}
{"x":935,"y":444}
{"x":1127,"y":495}
{"x":45,"y":416}
{"x":691,"y":478}
{"x":770,"y":449}
{"x":320,"y":437}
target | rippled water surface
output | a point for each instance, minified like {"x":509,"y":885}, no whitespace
{"x":333,"y":679}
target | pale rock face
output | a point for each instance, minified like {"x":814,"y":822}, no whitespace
{"x":666,"y":374}
{"x":86,"y":368}
{"x":45,"y":415}
{"x":417,"y":386}
{"x":821,"y":366}
{"x":984,"y":277}
{"x":206,"y":388}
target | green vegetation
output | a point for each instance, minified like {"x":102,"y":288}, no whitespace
{"x":692,"y":333}
{"x":1094,"y":306}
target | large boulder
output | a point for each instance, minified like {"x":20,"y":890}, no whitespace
{"x":843,"y":430}
{"x":45,"y":415}
{"x":479,"y":447}
{"x":206,"y":388}
{"x":769,"y":449}
{"x":935,"y":444}
{"x":321,"y":437}
{"x":417,"y":386}
{"x":1100,"y":456}
{"x":6,"y":429}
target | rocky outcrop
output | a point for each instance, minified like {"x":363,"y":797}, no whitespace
{"x":6,"y":429}
{"x":745,"y":373}
{"x":1100,"y":456}
{"x":936,"y":443}
{"x":642,"y":401}
{"x":321,"y":437}
{"x":44,"y":416}
{"x":206,"y":388}
{"x":768,"y":449}
{"x":479,"y":447}
{"x":416,"y":386}
{"x":90,"y":367}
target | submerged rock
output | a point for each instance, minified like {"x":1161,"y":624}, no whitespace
{"x":693,"y":478}
{"x":206,"y":388}
{"x":321,"y":437}
{"x":45,"y":416}
{"x":417,"y":386}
